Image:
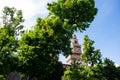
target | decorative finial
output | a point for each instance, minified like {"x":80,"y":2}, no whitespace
{"x":74,"y":36}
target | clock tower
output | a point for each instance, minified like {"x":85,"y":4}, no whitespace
{"x":76,"y":51}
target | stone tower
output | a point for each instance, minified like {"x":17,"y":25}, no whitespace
{"x":76,"y":51}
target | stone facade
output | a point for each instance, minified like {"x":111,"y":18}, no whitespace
{"x":76,"y":51}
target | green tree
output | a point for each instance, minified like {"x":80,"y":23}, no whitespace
{"x":6,"y":49}
{"x":110,"y":71}
{"x":92,"y":67}
{"x":90,"y":64}
{"x":40,"y":47}
{"x":51,"y":36}
{"x":75,"y":73}
{"x":11,"y":19}
{"x":90,"y":55}
{"x":74,"y":12}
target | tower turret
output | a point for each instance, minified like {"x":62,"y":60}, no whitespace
{"x":76,"y":51}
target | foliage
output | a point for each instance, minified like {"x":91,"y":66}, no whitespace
{"x":36,"y":53}
{"x":40,"y":47}
{"x":75,"y":12}
{"x":51,"y":29}
{"x":90,"y":55}
{"x":11,"y":19}
{"x":6,"y":48}
{"x":78,"y":72}
{"x":92,"y":68}
{"x":51,"y":36}
{"x":110,"y":71}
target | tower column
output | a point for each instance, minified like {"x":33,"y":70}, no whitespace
{"x":76,"y":51}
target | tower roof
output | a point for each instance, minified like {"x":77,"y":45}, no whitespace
{"x":74,"y":36}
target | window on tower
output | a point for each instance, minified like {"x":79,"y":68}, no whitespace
{"x":75,"y":41}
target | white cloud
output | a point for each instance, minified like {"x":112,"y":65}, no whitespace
{"x":117,"y":65}
{"x":31,"y":8}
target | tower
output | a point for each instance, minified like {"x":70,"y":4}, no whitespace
{"x":76,"y":51}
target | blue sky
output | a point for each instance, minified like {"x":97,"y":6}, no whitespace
{"x":104,"y":30}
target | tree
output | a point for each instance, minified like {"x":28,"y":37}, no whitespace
{"x":90,"y":55}
{"x":40,"y":47}
{"x":110,"y":71}
{"x":11,"y":19}
{"x":78,"y":13}
{"x":89,"y":67}
{"x":92,"y":66}
{"x":51,"y":36}
{"x":5,"y":50}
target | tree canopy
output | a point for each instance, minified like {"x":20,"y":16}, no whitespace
{"x":78,"y":13}
{"x":90,"y":55}
{"x":35,"y":54}
{"x":11,"y":19}
{"x":51,"y":35}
